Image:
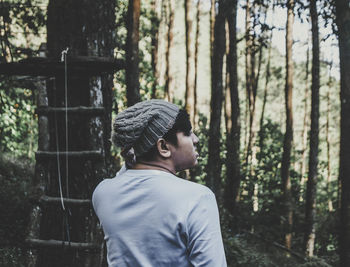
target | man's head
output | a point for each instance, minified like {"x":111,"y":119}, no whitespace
{"x":157,"y":131}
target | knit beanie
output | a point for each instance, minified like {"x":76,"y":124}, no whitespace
{"x":141,"y":125}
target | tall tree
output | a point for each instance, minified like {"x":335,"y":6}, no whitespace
{"x":196,"y":50}
{"x":267,"y":79}
{"x":328,"y":140}
{"x":155,"y":20}
{"x":253,"y":58}
{"x":310,"y":209}
{"x":132,"y":53}
{"x":190,"y":62}
{"x":87,"y":31}
{"x":248,"y":70}
{"x":169,"y":81}
{"x":213,"y":179}
{"x":329,"y":175}
{"x":304,"y":132}
{"x":212,"y":15}
{"x":253,"y":68}
{"x":343,"y":23}
{"x":233,"y":173}
{"x":288,"y":137}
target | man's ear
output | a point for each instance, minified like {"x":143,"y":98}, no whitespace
{"x":163,"y":148}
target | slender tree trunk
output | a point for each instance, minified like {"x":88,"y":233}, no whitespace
{"x":190,"y":62}
{"x":213,"y":178}
{"x":252,"y":148}
{"x":132,"y":53}
{"x":248,"y":75}
{"x":310,"y":212}
{"x":330,"y":203}
{"x":288,"y":138}
{"x":196,"y":47}
{"x":253,"y":86}
{"x":343,"y":23}
{"x":169,"y":83}
{"x":155,"y":20}
{"x":211,"y":23}
{"x":233,"y":176}
{"x":305,"y":128}
{"x":267,"y":79}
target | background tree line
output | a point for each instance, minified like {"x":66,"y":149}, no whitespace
{"x":272,"y":127}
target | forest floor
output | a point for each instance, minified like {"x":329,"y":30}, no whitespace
{"x":247,"y":250}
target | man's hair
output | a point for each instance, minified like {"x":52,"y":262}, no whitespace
{"x":182,"y":124}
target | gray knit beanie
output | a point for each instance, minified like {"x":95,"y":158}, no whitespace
{"x":141,"y":125}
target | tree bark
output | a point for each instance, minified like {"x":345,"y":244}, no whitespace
{"x":196,"y":49}
{"x":310,"y":209}
{"x":343,"y":23}
{"x":288,"y":138}
{"x":252,"y":86}
{"x":304,"y":133}
{"x":88,"y":31}
{"x":155,"y":20}
{"x":212,"y":23}
{"x":233,"y":176}
{"x":248,"y":74}
{"x":132,"y":53}
{"x":267,"y":79}
{"x":213,"y":179}
{"x":254,"y":74}
{"x":329,"y":174}
{"x":169,"y":82}
{"x":190,"y":62}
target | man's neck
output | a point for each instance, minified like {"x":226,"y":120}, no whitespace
{"x":154,"y":165}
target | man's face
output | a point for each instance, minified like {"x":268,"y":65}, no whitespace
{"x":184,"y":155}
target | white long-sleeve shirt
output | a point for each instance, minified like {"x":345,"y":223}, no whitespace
{"x":153,"y":218}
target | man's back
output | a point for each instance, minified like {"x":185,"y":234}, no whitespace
{"x":153,"y":218}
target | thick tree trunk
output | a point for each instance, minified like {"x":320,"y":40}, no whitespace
{"x":132,"y":53}
{"x":213,"y":179}
{"x":233,"y":176}
{"x":87,"y":31}
{"x":35,"y":217}
{"x":310,"y":209}
{"x":343,"y":22}
{"x":169,"y":82}
{"x":190,"y":62}
{"x":288,"y":138}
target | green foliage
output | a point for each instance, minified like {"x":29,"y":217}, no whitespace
{"x":15,"y":179}
{"x":246,"y":250}
{"x":18,"y":123}
{"x":24,"y":23}
{"x":198,"y":173}
{"x":266,"y":177}
{"x":315,"y":262}
{"x":18,"y":137}
{"x":148,"y":27}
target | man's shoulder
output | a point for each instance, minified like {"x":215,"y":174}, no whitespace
{"x":183,"y":187}
{"x":156,"y":182}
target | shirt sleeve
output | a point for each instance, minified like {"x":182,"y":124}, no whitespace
{"x":205,"y":244}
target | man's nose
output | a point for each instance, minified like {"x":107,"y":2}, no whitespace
{"x":195,"y":138}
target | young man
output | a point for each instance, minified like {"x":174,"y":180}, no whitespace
{"x":149,"y":216}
